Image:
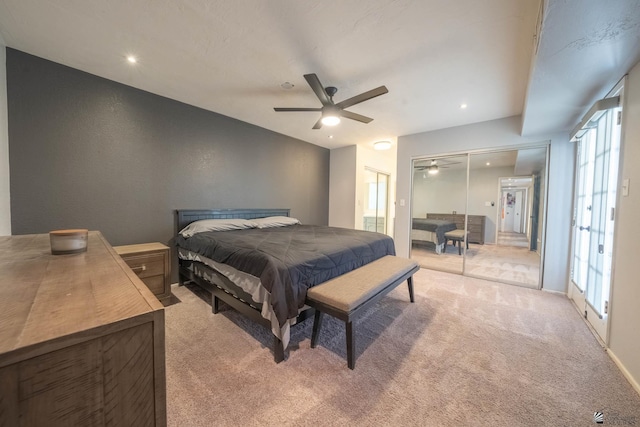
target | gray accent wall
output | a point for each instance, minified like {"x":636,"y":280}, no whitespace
{"x":86,"y":152}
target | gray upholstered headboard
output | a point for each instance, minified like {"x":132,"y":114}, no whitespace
{"x":187,"y":216}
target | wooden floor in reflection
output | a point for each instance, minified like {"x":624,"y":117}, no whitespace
{"x":508,"y":264}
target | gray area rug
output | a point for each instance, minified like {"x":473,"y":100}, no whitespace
{"x":467,"y":352}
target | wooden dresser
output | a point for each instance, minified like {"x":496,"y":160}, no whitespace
{"x":475,"y":228}
{"x":150,"y":261}
{"x":81,"y":338}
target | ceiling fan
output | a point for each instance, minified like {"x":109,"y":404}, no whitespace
{"x":331,"y":112}
{"x":432,"y":166}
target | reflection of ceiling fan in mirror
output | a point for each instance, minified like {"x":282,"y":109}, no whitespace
{"x":433,"y":166}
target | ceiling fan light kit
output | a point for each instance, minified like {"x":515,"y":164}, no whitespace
{"x":330,"y":111}
{"x":330,"y":120}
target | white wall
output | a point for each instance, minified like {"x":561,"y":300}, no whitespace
{"x":501,"y":133}
{"x":5,"y":200}
{"x":444,"y":192}
{"x":342,"y":187}
{"x":624,"y":332}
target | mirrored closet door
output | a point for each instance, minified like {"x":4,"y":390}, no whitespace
{"x":438,"y":207}
{"x":495,"y":200}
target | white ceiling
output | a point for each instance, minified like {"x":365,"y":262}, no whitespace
{"x":232,"y":56}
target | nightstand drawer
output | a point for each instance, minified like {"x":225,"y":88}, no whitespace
{"x":150,"y":261}
{"x":146,"y":265}
{"x":155,"y":284}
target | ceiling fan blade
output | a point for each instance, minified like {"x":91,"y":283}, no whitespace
{"x":363,"y":97}
{"x":297,"y":109}
{"x":318,"y":124}
{"x":317,"y":87}
{"x":354,"y":116}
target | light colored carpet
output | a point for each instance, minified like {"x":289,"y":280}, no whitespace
{"x":505,"y":263}
{"x":508,"y":264}
{"x":506,"y":238}
{"x":467,"y":352}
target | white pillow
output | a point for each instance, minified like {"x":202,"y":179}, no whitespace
{"x":275,"y":221}
{"x":216,"y":225}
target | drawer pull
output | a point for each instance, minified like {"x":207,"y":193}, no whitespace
{"x":141,"y":268}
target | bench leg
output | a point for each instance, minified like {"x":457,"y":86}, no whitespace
{"x":410,"y":284}
{"x":351,"y":344}
{"x":317,"y":323}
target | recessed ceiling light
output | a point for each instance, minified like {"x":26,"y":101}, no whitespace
{"x":132,"y":59}
{"x":330,"y":136}
{"x":463,"y":106}
{"x":488,"y":164}
{"x":287,"y":85}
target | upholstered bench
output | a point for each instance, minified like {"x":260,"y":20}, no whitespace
{"x":348,"y":296}
{"x":456,"y":236}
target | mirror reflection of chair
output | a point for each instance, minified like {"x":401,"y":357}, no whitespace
{"x":456,"y":236}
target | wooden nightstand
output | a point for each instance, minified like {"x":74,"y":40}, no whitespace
{"x":150,"y":261}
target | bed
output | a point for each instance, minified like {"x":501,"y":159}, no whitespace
{"x":431,"y":230}
{"x":265,"y":272}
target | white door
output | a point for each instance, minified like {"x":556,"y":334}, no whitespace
{"x":598,"y":154}
{"x":509,"y":201}
{"x":517,"y":212}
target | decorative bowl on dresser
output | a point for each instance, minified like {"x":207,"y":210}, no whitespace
{"x":150,"y":261}
{"x":81,"y":338}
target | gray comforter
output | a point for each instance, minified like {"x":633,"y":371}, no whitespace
{"x":289,"y":260}
{"x":438,"y":226}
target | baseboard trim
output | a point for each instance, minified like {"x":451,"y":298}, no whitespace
{"x":554,"y":292}
{"x":625,"y":372}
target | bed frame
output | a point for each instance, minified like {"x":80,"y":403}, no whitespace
{"x":222,"y":289}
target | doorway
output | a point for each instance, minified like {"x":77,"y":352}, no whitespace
{"x":376,"y":206}
{"x":515,"y":212}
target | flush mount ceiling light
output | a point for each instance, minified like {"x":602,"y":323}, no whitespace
{"x":287,"y":85}
{"x":382,"y":145}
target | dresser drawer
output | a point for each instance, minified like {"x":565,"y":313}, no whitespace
{"x":475,"y":220}
{"x":146,"y":265}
